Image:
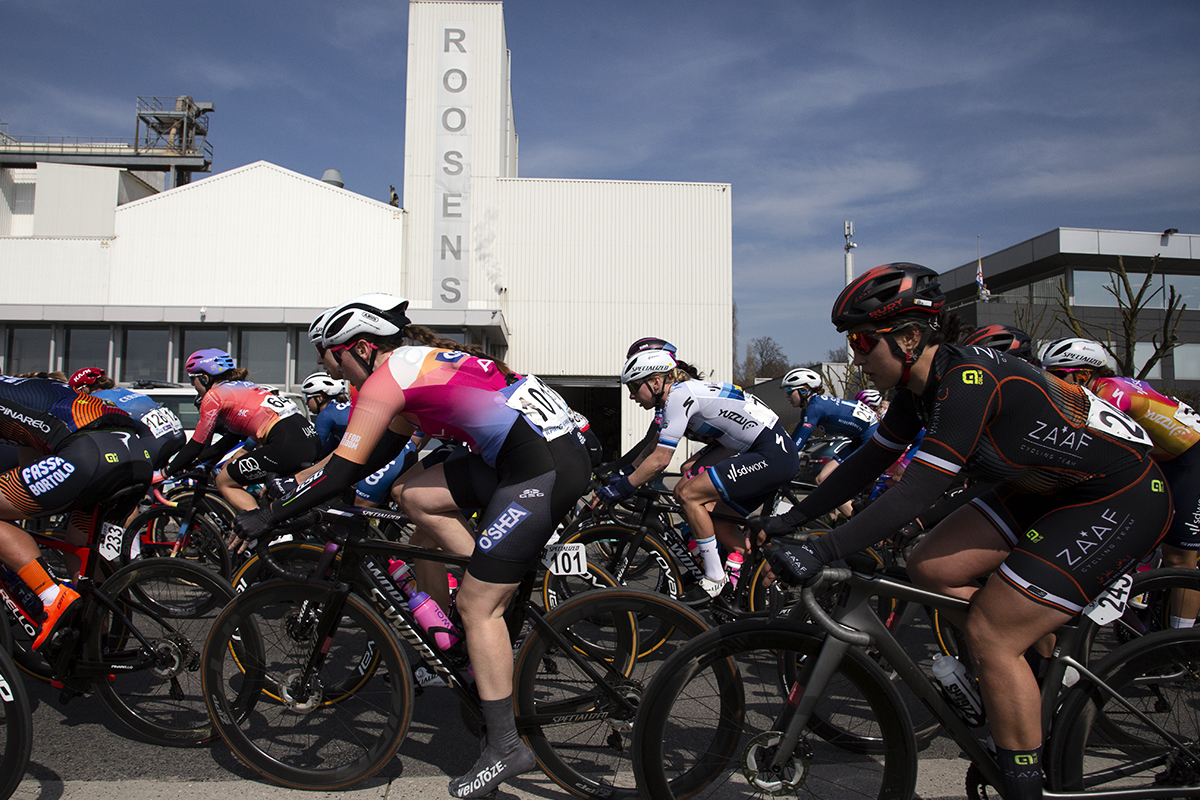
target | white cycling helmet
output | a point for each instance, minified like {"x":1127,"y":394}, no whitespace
{"x":374,"y":314}
{"x":317,"y":329}
{"x":1073,"y":353}
{"x":319,"y":383}
{"x":869,"y":396}
{"x":646,"y":363}
{"x":800,"y":379}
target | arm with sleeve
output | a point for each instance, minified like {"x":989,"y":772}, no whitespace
{"x":812,"y":416}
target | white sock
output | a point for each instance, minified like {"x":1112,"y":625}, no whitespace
{"x":50,"y":594}
{"x":1181,"y":622}
{"x":714,"y":570}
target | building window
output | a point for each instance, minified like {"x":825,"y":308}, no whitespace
{"x":145,"y":354}
{"x":306,"y":356}
{"x":28,"y":350}
{"x":193,"y":339}
{"x":1092,"y":288}
{"x":86,"y":347}
{"x":264,"y":353}
{"x":1187,"y":362}
{"x":1141,"y":354}
{"x":1188,"y":288}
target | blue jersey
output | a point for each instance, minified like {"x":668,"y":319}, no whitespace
{"x":331,"y":424}
{"x":159,"y":430}
{"x":848,"y":418}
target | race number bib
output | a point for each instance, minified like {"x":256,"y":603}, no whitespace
{"x":162,"y":422}
{"x":111,"y":537}
{"x":863,"y":411}
{"x":1110,"y":605}
{"x":281,"y":406}
{"x":760,"y":412}
{"x":1188,"y":416}
{"x":565,"y":559}
{"x":542,"y":406}
{"x":1106,"y":418}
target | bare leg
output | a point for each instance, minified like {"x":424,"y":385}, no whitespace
{"x":1184,"y":603}
{"x":439,"y":523}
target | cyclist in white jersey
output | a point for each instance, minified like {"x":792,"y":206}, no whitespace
{"x":749,"y":454}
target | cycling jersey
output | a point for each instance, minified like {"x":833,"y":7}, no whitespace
{"x":1001,"y":420}
{"x":159,"y":430}
{"x":331,"y":424}
{"x":243,"y":408}
{"x":43,"y":414}
{"x":850,"y":418}
{"x":1173,"y":426}
{"x":714,"y":412}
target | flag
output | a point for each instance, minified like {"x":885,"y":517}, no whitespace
{"x":979,"y":278}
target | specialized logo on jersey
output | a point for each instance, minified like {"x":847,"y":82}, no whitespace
{"x":973,"y":377}
{"x":46,"y":474}
{"x":502,"y":526}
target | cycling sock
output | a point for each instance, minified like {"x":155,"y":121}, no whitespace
{"x":1020,"y":773}
{"x":1181,"y":622}
{"x":505,"y":756}
{"x":37,"y":577}
{"x":714,"y":570}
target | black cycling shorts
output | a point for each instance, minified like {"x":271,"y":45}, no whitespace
{"x":534,"y":484}
{"x":748,"y":479}
{"x":291,"y":445}
{"x":91,"y":468}
{"x":1070,"y":545}
{"x":1183,"y":476}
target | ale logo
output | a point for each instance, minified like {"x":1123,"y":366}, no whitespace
{"x":1033,"y":536}
{"x":1156,"y":486}
{"x":973,"y":377}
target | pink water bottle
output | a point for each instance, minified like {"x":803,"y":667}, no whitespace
{"x":402,"y":574}
{"x":733,"y":566}
{"x":430,"y":615}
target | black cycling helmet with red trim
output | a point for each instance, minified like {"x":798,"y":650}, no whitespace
{"x":886,"y":292}
{"x":1004,"y":338}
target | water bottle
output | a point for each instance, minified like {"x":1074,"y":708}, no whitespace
{"x":430,"y":616}
{"x":959,"y":688}
{"x":402,"y":574}
{"x":733,"y":566}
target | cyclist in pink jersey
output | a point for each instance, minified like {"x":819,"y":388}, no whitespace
{"x":524,"y":465}
{"x":1173,"y":427}
{"x":286,"y":441}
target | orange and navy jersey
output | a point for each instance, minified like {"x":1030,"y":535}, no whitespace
{"x":43,"y":414}
{"x":1001,"y":420}
{"x":241,"y":408}
{"x":1173,"y":426}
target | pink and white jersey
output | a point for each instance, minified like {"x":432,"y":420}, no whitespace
{"x":1173,"y":426}
{"x":243,"y":408}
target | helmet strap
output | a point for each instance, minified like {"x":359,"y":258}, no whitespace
{"x":662,"y":390}
{"x":909,"y":359}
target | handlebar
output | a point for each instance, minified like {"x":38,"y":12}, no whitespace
{"x":263,"y":547}
{"x":819,"y":615}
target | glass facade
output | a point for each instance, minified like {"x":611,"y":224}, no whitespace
{"x":144,"y":354}
{"x":1141,"y":354}
{"x":1187,"y":362}
{"x":28,"y":350}
{"x":87,"y":346}
{"x":264,"y":353}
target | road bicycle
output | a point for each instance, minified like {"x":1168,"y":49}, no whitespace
{"x":330,"y":686}
{"x":730,"y":715}
{"x":190,"y":522}
{"x":137,"y":636}
{"x":16,"y":723}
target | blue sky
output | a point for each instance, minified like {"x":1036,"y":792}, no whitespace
{"x":928,"y":124}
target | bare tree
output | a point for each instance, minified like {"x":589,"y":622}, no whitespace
{"x":737,"y":367}
{"x":1130,"y":304}
{"x":1031,"y":318}
{"x":769,"y":359}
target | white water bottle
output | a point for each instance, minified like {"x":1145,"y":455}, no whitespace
{"x":733,"y":567}
{"x":959,"y":688}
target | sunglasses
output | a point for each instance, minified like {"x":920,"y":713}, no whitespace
{"x":1075,"y":375}
{"x":337,"y":350}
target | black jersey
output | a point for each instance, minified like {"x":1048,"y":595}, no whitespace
{"x":43,"y":414}
{"x":996,"y":418}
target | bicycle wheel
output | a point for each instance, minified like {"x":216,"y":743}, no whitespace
{"x":651,"y":566}
{"x":579,"y":733}
{"x":558,"y":589}
{"x":1147,"y":610}
{"x":157,"y":531}
{"x":712,"y":719}
{"x":16,"y":727}
{"x":1097,"y":744}
{"x":173,"y":605}
{"x":302,"y":737}
{"x":300,"y":555}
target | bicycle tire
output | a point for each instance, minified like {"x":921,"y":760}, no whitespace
{"x":173,"y":604}
{"x":156,"y":532}
{"x":652,"y":568}
{"x":16,"y":727}
{"x":253,"y":571}
{"x":1154,"y":587}
{"x":211,"y":503}
{"x":1158,"y":673}
{"x":587,"y":751}
{"x":707,"y":721}
{"x":298,"y":742}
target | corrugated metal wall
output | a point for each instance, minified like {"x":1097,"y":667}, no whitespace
{"x":54,"y":271}
{"x":256,"y":236}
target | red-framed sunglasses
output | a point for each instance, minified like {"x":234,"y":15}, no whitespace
{"x":338,"y":349}
{"x":864,"y":341}
{"x":1076,"y":375}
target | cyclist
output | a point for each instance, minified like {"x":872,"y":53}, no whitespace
{"x":286,"y":441}
{"x":329,"y":406}
{"x":749,"y":454}
{"x":853,"y":419}
{"x":159,"y":431}
{"x":1173,"y":426}
{"x":526,"y":468}
{"x":1004,"y":338}
{"x":1078,"y":499}
{"x":82,"y":450}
